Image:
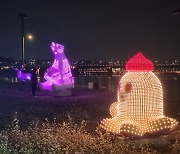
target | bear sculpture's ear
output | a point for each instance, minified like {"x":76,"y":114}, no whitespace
{"x":53,"y":46}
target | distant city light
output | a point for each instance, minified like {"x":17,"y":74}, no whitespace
{"x":30,"y":37}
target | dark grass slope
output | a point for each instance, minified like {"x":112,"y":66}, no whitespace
{"x":16,"y":98}
{"x":56,"y":134}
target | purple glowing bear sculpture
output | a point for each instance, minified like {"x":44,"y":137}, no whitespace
{"x":58,"y":76}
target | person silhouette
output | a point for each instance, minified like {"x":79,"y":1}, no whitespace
{"x":34,"y":82}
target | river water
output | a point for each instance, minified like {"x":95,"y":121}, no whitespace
{"x":170,"y":83}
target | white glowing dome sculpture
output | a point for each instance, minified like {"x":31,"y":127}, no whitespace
{"x":139,"y":110}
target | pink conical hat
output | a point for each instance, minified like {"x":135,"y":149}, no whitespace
{"x":139,"y":63}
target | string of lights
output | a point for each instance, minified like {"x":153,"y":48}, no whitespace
{"x":139,"y":109}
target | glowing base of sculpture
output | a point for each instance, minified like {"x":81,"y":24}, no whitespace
{"x":153,"y":126}
{"x":58,"y":90}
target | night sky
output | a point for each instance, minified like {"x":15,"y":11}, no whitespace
{"x":92,"y":29}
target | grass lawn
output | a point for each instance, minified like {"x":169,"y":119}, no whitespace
{"x":89,"y":105}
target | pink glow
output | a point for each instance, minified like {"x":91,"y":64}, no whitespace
{"x":59,"y":74}
{"x":139,"y":63}
{"x":23,"y":76}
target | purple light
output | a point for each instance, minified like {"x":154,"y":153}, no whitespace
{"x":59,"y":74}
{"x":23,"y":76}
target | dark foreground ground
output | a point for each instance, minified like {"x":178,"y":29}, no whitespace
{"x":16,"y":100}
{"x":55,"y":136}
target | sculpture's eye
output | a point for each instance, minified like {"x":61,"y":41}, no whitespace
{"x":128,"y":87}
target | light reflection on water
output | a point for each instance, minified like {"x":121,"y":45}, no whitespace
{"x":109,"y":83}
{"x":9,"y":79}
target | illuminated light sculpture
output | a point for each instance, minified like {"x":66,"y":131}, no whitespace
{"x":23,"y":76}
{"x":58,"y":77}
{"x":139,"y":110}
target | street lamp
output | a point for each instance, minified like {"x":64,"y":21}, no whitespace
{"x":23,"y":16}
{"x":29,"y":37}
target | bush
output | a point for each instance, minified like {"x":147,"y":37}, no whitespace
{"x":68,"y":137}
